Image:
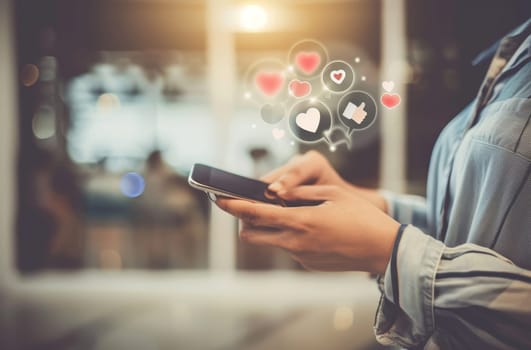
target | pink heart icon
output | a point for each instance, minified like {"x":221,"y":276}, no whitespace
{"x":390,"y":100}
{"x":278,"y":133}
{"x":338,"y":76}
{"x":308,"y":61}
{"x":300,"y":88}
{"x":269,"y":83}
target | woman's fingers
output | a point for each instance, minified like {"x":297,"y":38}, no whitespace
{"x":310,"y":192}
{"x":257,"y":214}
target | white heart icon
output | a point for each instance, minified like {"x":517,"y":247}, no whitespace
{"x":388,"y":85}
{"x":278,"y":133}
{"x":338,"y":76}
{"x":309,"y":121}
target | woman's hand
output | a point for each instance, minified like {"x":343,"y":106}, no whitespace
{"x":312,"y":168}
{"x":344,"y":233}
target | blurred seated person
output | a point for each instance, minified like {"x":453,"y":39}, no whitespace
{"x":170,"y":220}
{"x":53,"y":236}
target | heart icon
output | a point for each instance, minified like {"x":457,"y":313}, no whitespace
{"x":390,"y":100}
{"x":269,"y":83}
{"x":272,"y":114}
{"x":278,"y":133}
{"x":308,"y":61}
{"x":388,"y":85}
{"x":338,"y":76}
{"x":300,"y":88}
{"x":309,"y":121}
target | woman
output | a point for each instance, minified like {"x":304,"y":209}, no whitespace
{"x":455,"y":270}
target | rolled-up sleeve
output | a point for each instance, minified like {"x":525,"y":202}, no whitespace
{"x":463,"y":297}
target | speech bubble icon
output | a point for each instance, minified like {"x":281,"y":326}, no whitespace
{"x":337,"y":136}
{"x":309,"y":119}
{"x":357,"y":110}
{"x":338,"y":76}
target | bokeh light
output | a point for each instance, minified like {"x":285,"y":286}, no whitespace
{"x":29,"y":75}
{"x":43,"y":123}
{"x":132,"y":185}
{"x":108,"y":101}
{"x":110,"y":259}
{"x":343,"y":318}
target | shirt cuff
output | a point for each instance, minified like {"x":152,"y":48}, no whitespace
{"x":408,"y":284}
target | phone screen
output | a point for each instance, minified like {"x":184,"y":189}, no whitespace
{"x":240,"y":186}
{"x":232,"y":184}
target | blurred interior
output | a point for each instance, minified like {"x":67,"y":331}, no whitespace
{"x":105,"y":106}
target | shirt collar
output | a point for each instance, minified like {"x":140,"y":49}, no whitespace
{"x":523,"y":29}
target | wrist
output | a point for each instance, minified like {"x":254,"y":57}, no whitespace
{"x":388,"y":240}
{"x":373,"y":196}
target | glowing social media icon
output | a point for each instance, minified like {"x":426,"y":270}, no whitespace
{"x":356,"y":113}
{"x":278,"y":133}
{"x":309,"y":119}
{"x":299,"y":88}
{"x":390,"y":100}
{"x":269,"y":82}
{"x":272,"y":113}
{"x":338,"y":76}
{"x":308,"y":62}
{"x":307,"y":58}
{"x":388,"y":85}
{"x":358,"y":110}
{"x":337,"y":136}
{"x":265,"y":82}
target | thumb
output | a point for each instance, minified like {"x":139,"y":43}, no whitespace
{"x":310,"y":192}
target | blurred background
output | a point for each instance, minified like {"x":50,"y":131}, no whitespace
{"x":106,"y":104}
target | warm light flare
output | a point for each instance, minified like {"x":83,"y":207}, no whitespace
{"x":253,"y":18}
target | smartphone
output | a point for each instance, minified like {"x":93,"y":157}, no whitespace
{"x":216,"y":182}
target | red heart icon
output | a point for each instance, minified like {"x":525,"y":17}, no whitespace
{"x":269,"y":83}
{"x":308,"y":61}
{"x":300,"y":88}
{"x":338,"y":76}
{"x":390,"y":100}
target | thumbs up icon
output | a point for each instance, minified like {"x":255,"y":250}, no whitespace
{"x":356,"y":113}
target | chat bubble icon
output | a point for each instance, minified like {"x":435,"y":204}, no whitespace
{"x":309,"y":119}
{"x":338,"y":76}
{"x":357,"y":110}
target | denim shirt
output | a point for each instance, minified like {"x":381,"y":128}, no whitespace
{"x":460,"y":274}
